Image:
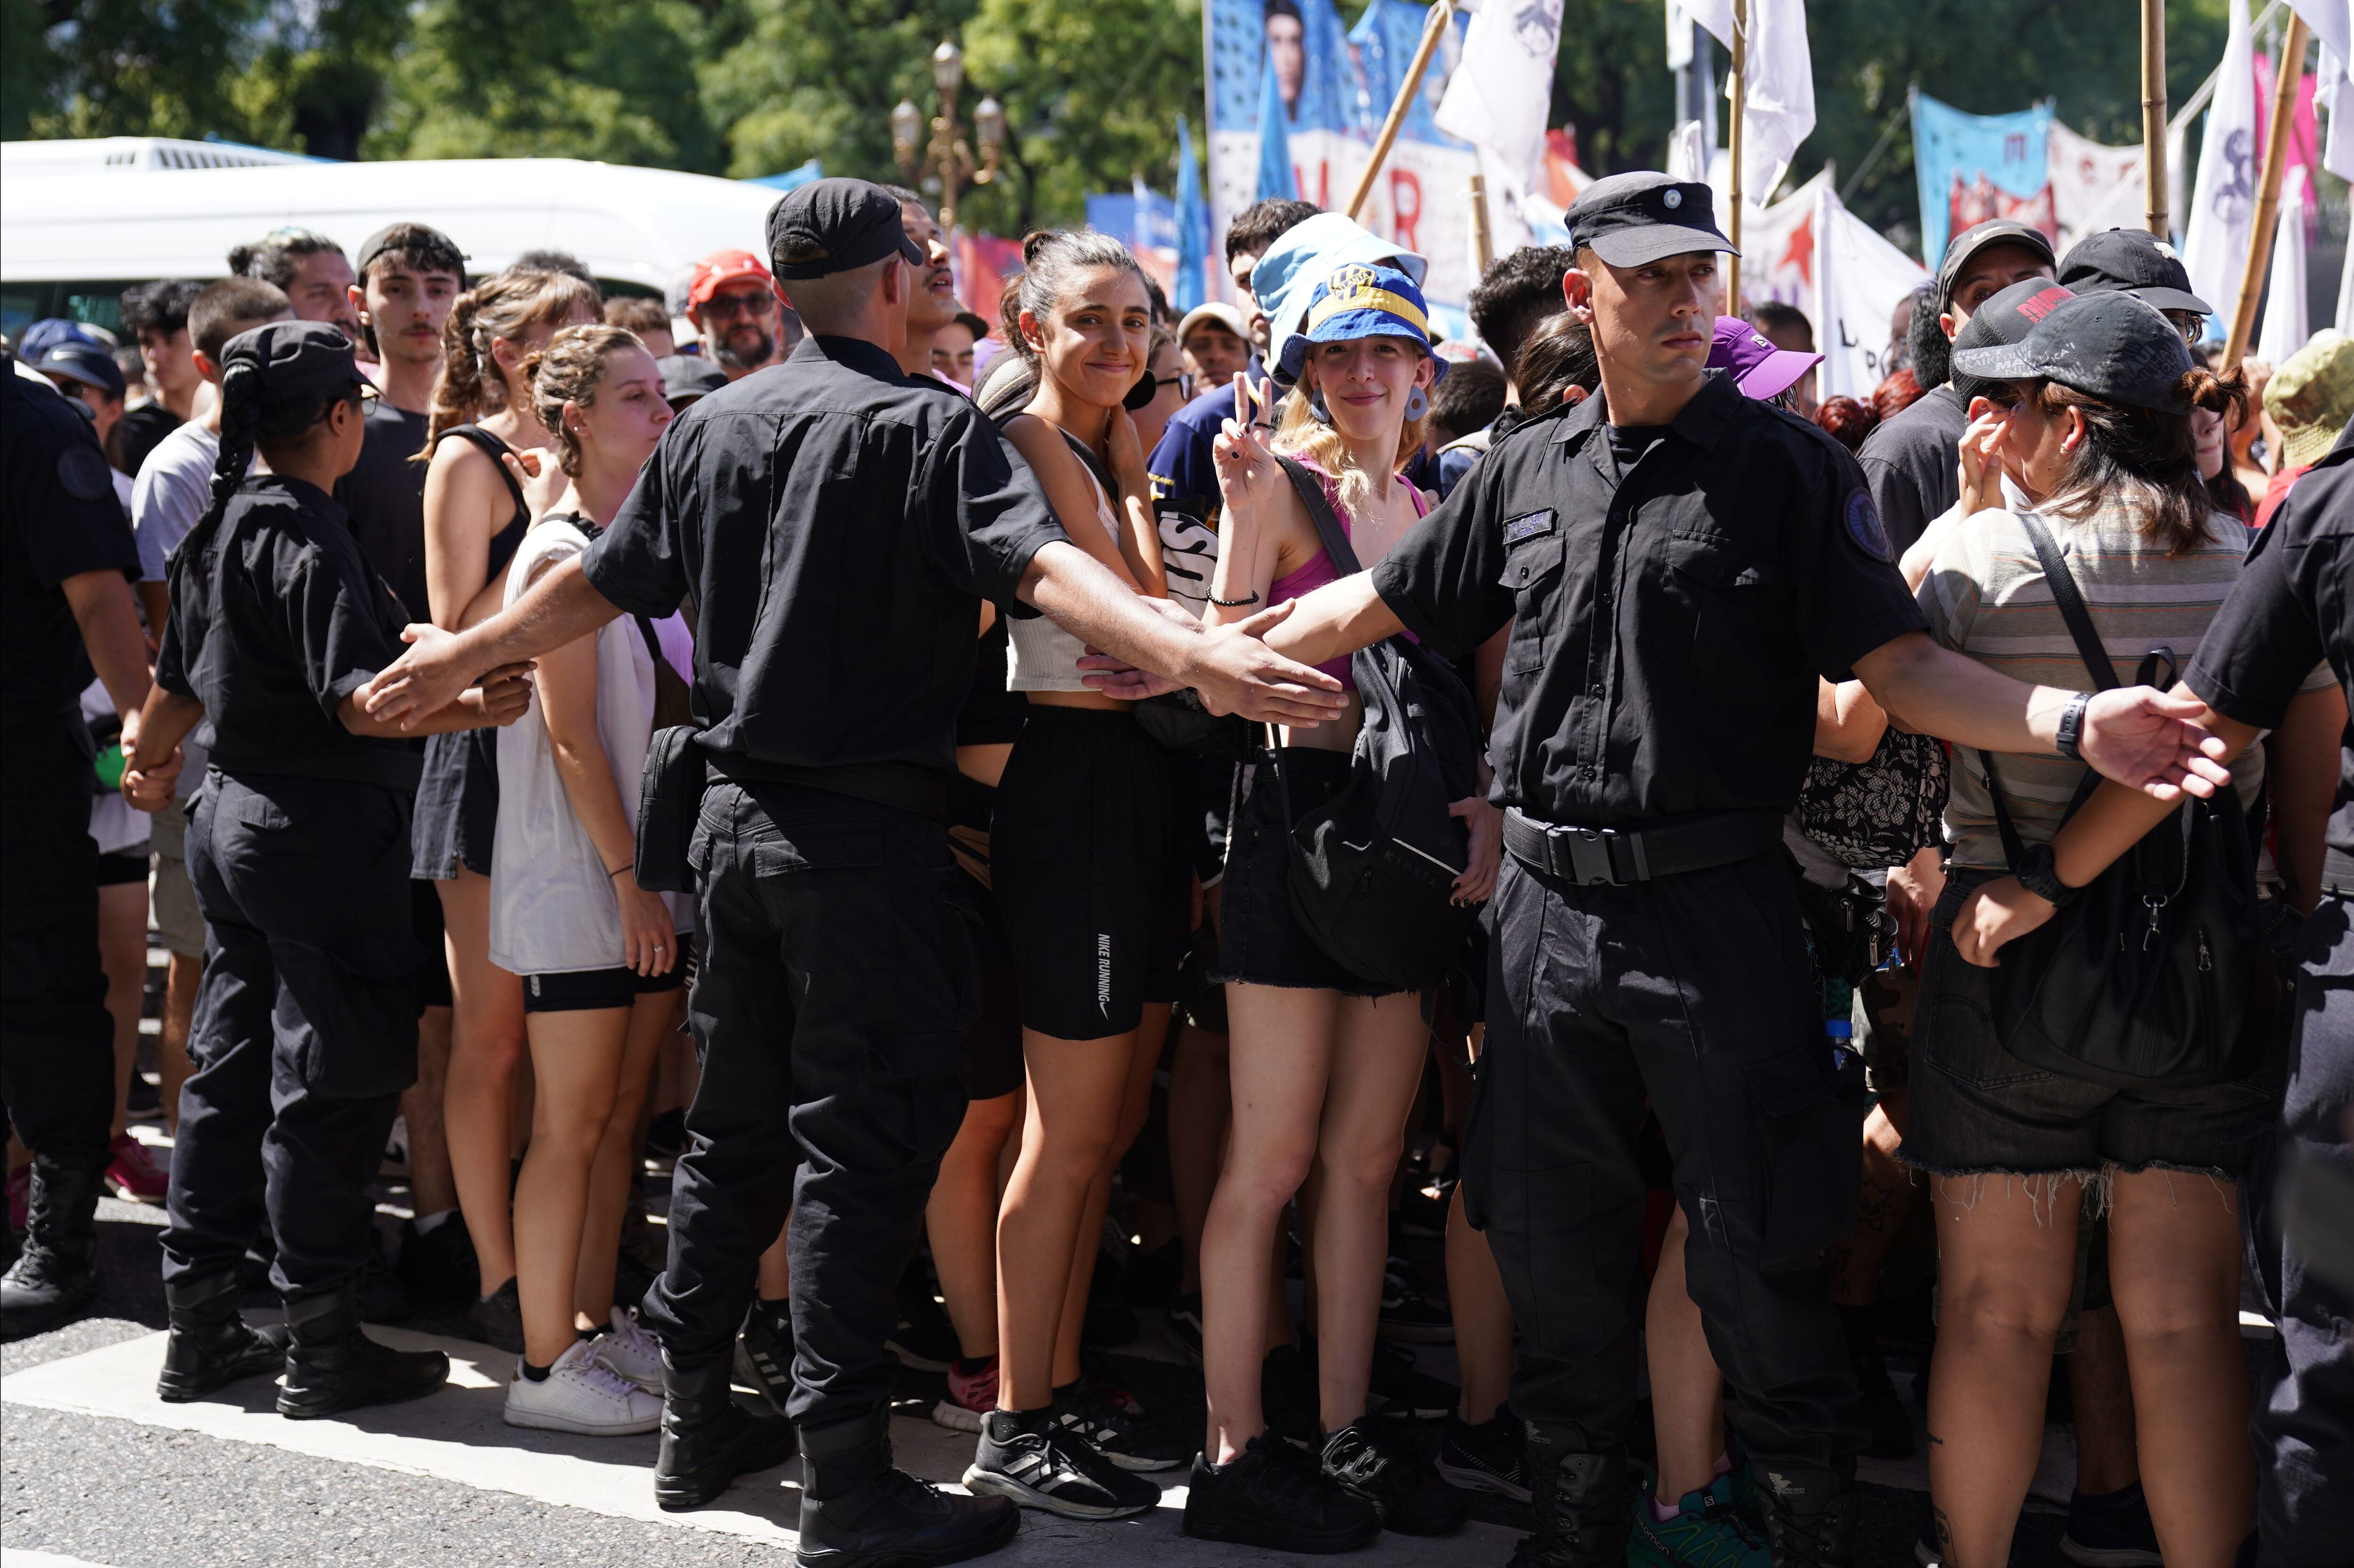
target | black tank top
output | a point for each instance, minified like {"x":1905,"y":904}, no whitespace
{"x":507,"y":540}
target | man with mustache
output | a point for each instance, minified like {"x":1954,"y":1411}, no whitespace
{"x":734,"y":305}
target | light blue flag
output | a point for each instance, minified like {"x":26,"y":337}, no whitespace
{"x":1973,"y":167}
{"x":1193,"y":223}
{"x":1276,"y":176}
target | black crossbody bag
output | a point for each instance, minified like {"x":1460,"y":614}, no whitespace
{"x":1372,"y":869}
{"x":2154,"y":973}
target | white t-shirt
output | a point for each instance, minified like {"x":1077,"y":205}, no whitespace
{"x":553,"y":909}
{"x":174,"y":486}
{"x":1040,"y":656}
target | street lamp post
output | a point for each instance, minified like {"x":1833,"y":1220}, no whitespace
{"x":948,"y":156}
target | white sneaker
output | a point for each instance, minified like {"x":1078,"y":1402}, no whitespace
{"x":581,"y":1395}
{"x":630,"y":1351}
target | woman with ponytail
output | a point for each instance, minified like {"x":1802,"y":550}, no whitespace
{"x":1089,"y":868}
{"x":2096,"y":430}
{"x":603,"y":962}
{"x":305,"y":1029}
{"x":1325,"y":1065}
{"x":476,"y":509}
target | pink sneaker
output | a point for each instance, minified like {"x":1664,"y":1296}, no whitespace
{"x":970,"y":1398}
{"x":132,"y":1175}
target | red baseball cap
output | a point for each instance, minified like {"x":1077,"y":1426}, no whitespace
{"x":724,"y":267}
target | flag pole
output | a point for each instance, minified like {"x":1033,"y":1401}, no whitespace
{"x":2288,"y":68}
{"x":2155,"y":217}
{"x":1483,"y":243}
{"x":1441,"y":16}
{"x":1739,"y":94}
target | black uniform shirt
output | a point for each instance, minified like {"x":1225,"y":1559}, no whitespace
{"x":1913,"y":463}
{"x":838,"y":524}
{"x":61,"y":519}
{"x":275,"y":620}
{"x":1669,"y":623}
{"x":384,"y":496}
{"x":2292,"y":607}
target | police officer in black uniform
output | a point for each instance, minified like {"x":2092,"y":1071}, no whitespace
{"x":305,"y":1028}
{"x":66,"y":565}
{"x":1678,"y":564}
{"x":837,"y":523}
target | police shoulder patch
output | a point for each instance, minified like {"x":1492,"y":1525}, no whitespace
{"x":82,"y":474}
{"x":1864,"y":529}
{"x":1527,"y":525}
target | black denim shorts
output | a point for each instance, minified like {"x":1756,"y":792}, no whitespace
{"x":1977,"y":1109}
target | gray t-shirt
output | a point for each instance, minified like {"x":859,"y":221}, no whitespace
{"x":170,"y":494}
{"x":1913,"y":463}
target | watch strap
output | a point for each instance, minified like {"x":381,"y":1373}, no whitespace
{"x":2038,"y":872}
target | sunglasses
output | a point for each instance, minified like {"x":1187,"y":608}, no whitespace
{"x":728,"y":307}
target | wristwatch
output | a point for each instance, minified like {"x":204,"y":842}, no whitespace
{"x":2071,"y":726}
{"x":2037,"y":874}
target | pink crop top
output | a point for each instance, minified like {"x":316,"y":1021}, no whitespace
{"x":1319,"y":569}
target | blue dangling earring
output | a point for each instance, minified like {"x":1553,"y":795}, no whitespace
{"x":1316,"y":407}
{"x":1417,"y":404}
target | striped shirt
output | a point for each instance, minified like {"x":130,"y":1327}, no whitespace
{"x":1986,"y":596}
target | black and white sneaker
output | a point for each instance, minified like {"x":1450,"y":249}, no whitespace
{"x":1368,"y":1459}
{"x":764,"y":1352}
{"x":1273,"y":1496}
{"x":1491,"y":1457}
{"x":1184,"y":1324}
{"x":1113,"y":1432}
{"x":1039,"y":1463}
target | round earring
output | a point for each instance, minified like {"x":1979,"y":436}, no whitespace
{"x":1417,"y":404}
{"x":1316,"y":407}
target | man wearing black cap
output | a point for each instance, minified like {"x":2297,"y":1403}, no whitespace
{"x":408,"y":276}
{"x":65,"y":607}
{"x":1910,"y":461}
{"x":2134,"y":261}
{"x":1680,"y":566}
{"x":838,"y":524}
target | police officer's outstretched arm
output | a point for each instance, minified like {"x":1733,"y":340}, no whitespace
{"x":411,"y":695}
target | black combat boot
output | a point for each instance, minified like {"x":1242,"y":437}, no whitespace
{"x":331,"y":1366}
{"x":858,"y":1510}
{"x":1810,"y":1515}
{"x":212,"y":1345}
{"x":1582,"y":1499}
{"x":708,"y":1439}
{"x":54,"y":1277}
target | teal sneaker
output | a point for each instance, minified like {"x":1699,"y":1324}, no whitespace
{"x":1709,"y":1531}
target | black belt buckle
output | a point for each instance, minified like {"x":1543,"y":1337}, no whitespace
{"x":1597,"y":856}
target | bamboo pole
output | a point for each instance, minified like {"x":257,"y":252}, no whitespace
{"x":1441,"y":16}
{"x":2289,"y":67}
{"x":1740,"y":97}
{"x":1483,"y":243}
{"x":2155,"y":217}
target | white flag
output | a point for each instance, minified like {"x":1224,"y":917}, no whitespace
{"x":2093,"y":186}
{"x":2285,"y":320}
{"x":1859,"y":279}
{"x":1687,"y":154}
{"x":1778,"y":78}
{"x":1499,"y":94}
{"x":2220,"y":224}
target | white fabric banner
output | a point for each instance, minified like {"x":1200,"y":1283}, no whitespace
{"x":2093,"y":186}
{"x":1778,"y":85}
{"x":1859,"y":279}
{"x":2220,"y":224}
{"x":2286,"y":328}
{"x":1499,"y":96}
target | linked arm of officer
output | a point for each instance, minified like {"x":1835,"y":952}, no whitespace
{"x":109,"y":619}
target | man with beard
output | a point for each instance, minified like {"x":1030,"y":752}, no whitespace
{"x":311,"y":270}
{"x":934,"y":307}
{"x":734,"y":305}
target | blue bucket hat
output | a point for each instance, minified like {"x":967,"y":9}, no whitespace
{"x":1358,"y":300}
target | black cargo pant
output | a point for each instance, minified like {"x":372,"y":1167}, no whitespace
{"x":305,"y":1029}
{"x":832,"y":986}
{"x":1693,"y":992}
{"x":57,"y":1039}
{"x":2303,"y":1424}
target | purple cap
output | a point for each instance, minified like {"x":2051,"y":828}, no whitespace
{"x":1756,"y":367}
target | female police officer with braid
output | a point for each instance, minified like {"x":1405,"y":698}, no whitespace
{"x":305,"y":1030}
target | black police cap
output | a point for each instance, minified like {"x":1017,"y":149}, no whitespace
{"x":1632,"y":220}
{"x":834,"y":226}
{"x":2112,"y":347}
{"x":290,"y":360}
{"x":2132,"y":262}
{"x":1977,"y":237}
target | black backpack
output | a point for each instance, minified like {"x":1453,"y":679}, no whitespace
{"x":1372,"y":869}
{"x":2154,"y":973}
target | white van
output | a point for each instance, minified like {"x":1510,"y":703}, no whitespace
{"x":81,"y":221}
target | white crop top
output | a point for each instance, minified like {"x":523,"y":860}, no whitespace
{"x":1040,"y":656}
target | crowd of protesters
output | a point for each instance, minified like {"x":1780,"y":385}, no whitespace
{"x":1696,"y":1028}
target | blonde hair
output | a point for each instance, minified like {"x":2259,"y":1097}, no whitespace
{"x":1299,"y":433}
{"x":569,"y":370}
{"x":501,"y":307}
